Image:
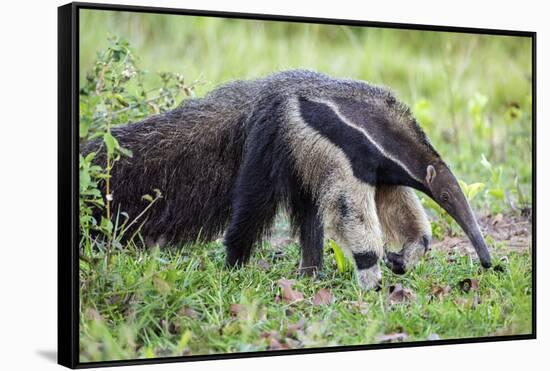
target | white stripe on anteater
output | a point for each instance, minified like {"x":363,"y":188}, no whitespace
{"x":346,"y":121}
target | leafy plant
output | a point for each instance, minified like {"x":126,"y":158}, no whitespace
{"x":113,"y":94}
{"x":342,"y":261}
{"x":476,"y":108}
{"x":496,"y":190}
{"x":90,"y":195}
{"x":471,"y":190}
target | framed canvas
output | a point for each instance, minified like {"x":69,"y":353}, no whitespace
{"x":242,"y":185}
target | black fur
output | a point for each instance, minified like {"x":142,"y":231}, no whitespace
{"x":261,"y":185}
{"x":306,"y":217}
{"x":365,"y":260}
{"x":344,"y":206}
{"x":396,"y":262}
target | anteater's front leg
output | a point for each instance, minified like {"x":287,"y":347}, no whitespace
{"x":405,"y":226}
{"x":306,"y":219}
{"x":356,"y":227}
{"x":253,"y":209}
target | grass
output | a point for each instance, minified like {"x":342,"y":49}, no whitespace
{"x":179,"y":302}
{"x":472,"y":96}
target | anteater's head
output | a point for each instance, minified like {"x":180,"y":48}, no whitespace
{"x":445,"y":190}
{"x":427,"y":172}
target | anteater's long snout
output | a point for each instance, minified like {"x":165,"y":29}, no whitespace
{"x":448,"y":194}
{"x":470,"y":226}
{"x":481,"y":248}
{"x":461,"y":211}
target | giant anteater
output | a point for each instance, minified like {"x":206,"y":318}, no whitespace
{"x":341,"y":156}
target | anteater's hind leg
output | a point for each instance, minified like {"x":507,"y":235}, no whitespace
{"x":306,"y":220}
{"x":404,"y":225}
{"x":253,"y":210}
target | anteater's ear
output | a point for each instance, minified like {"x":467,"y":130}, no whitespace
{"x":430,"y":174}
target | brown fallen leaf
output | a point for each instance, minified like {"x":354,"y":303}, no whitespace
{"x":469,"y":284}
{"x":237,"y":309}
{"x":323,"y":296}
{"x":497,"y":219}
{"x":439,"y":292}
{"x":393,"y":337}
{"x":400,"y":294}
{"x":275,"y":344}
{"x":288,"y":294}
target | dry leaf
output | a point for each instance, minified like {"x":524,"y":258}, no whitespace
{"x":274,"y":344}
{"x":288,"y":294}
{"x":400,"y":294}
{"x":393,"y":337}
{"x":237,"y":309}
{"x":323,"y":296}
{"x":439,"y":292}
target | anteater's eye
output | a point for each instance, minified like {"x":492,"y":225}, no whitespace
{"x":444,"y":196}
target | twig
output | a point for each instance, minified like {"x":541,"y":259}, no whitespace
{"x":159,"y":196}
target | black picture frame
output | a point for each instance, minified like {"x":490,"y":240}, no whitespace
{"x":68,"y":139}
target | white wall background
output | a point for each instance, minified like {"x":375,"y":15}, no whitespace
{"x":28,"y":155}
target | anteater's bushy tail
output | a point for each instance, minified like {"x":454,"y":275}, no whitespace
{"x":192,"y":155}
